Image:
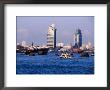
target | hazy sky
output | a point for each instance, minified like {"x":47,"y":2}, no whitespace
{"x":34,"y":28}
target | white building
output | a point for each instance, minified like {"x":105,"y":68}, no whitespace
{"x":60,"y":44}
{"x":69,"y":46}
{"x":18,"y":43}
{"x":23,"y":43}
{"x":51,"y":36}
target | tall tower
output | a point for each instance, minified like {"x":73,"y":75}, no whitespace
{"x":51,"y":37}
{"x":78,"y":38}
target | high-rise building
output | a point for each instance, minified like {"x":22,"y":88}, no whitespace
{"x":78,"y":38}
{"x":23,"y":43}
{"x":60,"y":44}
{"x":51,"y":37}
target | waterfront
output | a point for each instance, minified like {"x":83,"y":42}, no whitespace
{"x":52,"y":64}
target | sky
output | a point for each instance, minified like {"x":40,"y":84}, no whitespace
{"x":34,"y":28}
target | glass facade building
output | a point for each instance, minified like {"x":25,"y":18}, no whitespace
{"x":78,"y":38}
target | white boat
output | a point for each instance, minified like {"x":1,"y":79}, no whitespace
{"x":65,"y":55}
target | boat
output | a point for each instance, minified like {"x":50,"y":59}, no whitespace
{"x":84,"y":54}
{"x":30,"y":52}
{"x":92,"y":54}
{"x":65,"y":55}
{"x":42,"y":51}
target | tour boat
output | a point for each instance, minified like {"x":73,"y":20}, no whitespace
{"x":65,"y":55}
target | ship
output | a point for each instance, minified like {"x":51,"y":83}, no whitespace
{"x":31,"y":51}
{"x":39,"y":51}
{"x":42,"y":50}
{"x":84,"y":54}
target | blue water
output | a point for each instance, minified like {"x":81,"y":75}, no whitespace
{"x":52,"y":64}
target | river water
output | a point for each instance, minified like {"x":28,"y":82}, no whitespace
{"x":52,"y":64}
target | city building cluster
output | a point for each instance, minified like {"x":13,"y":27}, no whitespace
{"x":77,"y":40}
{"x":76,"y":46}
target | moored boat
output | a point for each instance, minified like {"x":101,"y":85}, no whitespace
{"x":42,"y":51}
{"x":31,"y":52}
{"x":84,"y":54}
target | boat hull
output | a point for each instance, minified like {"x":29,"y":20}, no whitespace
{"x":42,"y":51}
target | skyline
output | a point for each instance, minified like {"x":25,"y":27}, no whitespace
{"x":34,"y":28}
